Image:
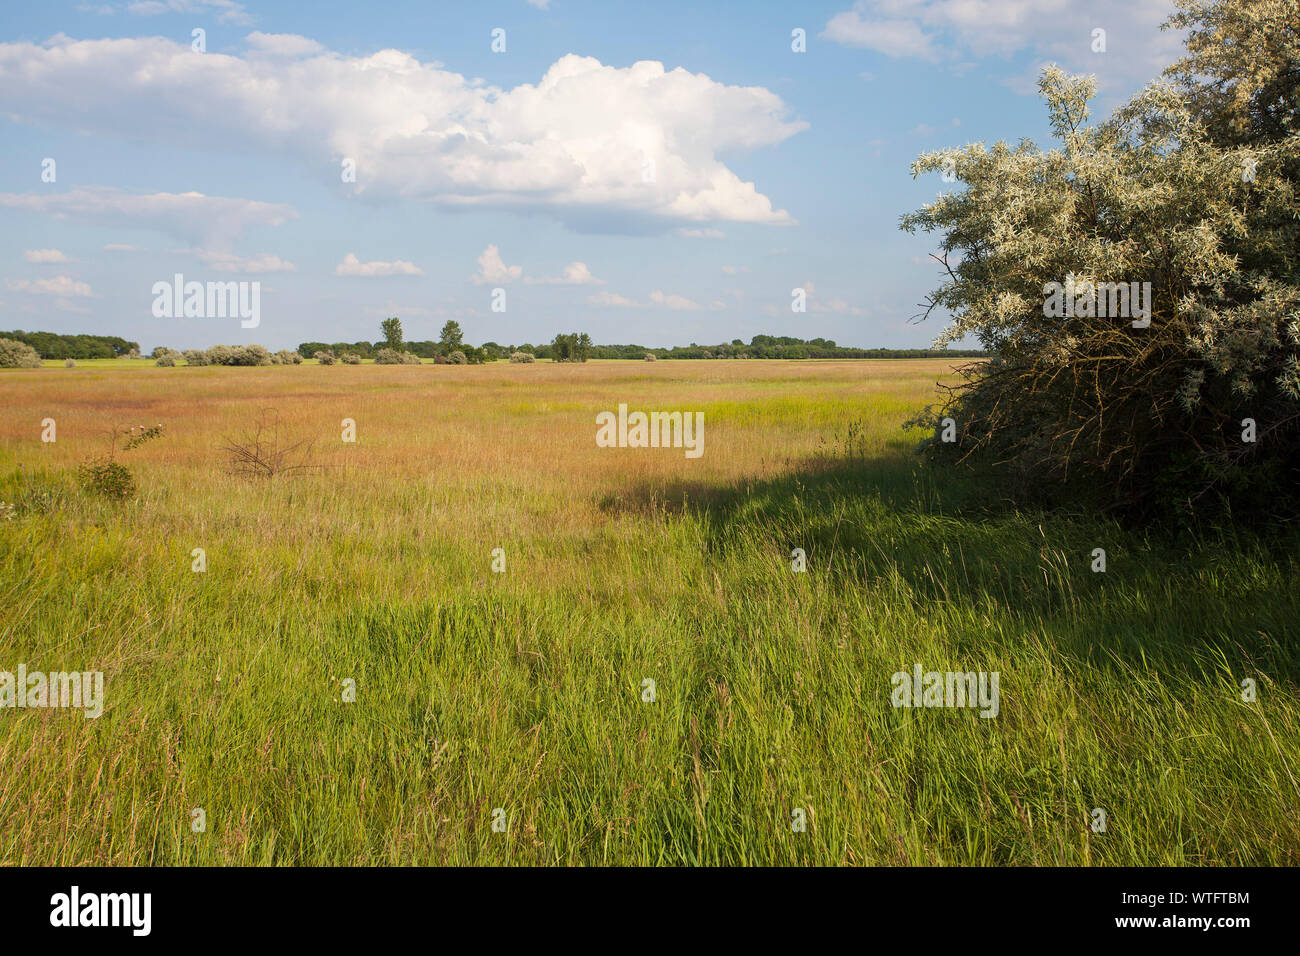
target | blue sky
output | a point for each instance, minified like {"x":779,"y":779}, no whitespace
{"x":679,"y":200}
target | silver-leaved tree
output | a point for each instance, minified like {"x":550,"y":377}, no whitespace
{"x":1136,"y":284}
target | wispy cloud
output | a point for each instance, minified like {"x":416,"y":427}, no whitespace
{"x":575,"y":273}
{"x":352,"y":266}
{"x":45,"y":256}
{"x":57,"y":285}
{"x":206,"y":221}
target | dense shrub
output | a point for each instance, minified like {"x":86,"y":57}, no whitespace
{"x":104,"y":476}
{"x":650,"y":357}
{"x":286,"y":357}
{"x":166,"y":361}
{"x":325,"y":357}
{"x":250,"y":355}
{"x":221,"y":355}
{"x":1199,"y":408}
{"x":522,"y":357}
{"x":457,"y":358}
{"x":394,"y":357}
{"x":165,"y":357}
{"x":351,"y":358}
{"x":196,"y":357}
{"x":70,"y":363}
{"x":14,"y":354}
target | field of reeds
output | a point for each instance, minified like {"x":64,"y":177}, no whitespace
{"x":648,"y":681}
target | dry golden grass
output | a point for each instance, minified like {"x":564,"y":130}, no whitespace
{"x":501,"y":453}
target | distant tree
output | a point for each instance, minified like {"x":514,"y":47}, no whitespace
{"x":573,"y":347}
{"x":392,"y":329}
{"x":562,"y":348}
{"x":452,"y":337}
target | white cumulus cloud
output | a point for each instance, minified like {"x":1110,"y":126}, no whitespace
{"x":576,"y":143}
{"x":492,"y":269}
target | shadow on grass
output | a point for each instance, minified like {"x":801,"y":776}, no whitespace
{"x":1179,"y":602}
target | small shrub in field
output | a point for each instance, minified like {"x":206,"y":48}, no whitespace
{"x":457,"y":358}
{"x":196,"y":357}
{"x":394,"y":357}
{"x":221,"y":355}
{"x":250,"y":355}
{"x":104,"y":476}
{"x":69,"y":363}
{"x":351,"y":358}
{"x":523,"y":357}
{"x":650,"y":358}
{"x":166,"y":361}
{"x":286,"y":357}
{"x":325,"y":357}
{"x":440,"y":359}
{"x":15,"y":354}
{"x":264,"y":453}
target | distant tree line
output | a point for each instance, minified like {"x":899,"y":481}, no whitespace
{"x":443,"y":350}
{"x":565,"y":347}
{"x":578,"y":347}
{"x":773,"y":347}
{"x":51,"y":345}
